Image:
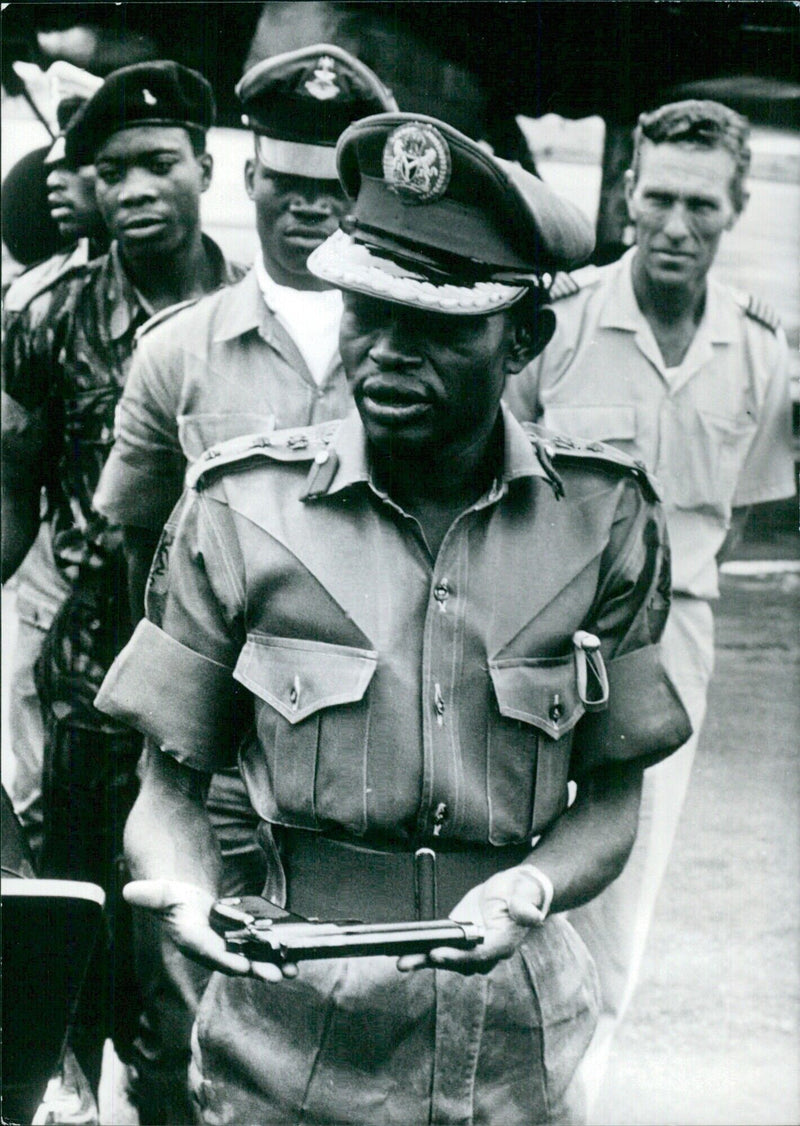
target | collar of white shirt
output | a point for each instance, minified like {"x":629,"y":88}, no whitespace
{"x":311,"y":319}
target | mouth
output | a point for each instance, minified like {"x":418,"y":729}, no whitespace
{"x":394,"y":404}
{"x":59,"y":211}
{"x":307,"y":237}
{"x":142,"y":226}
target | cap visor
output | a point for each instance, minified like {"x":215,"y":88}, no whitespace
{"x":294,"y":158}
{"x":346,"y":264}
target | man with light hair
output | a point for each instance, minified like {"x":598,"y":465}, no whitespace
{"x":654,"y":356}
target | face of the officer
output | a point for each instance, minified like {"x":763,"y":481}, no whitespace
{"x":149,"y":183}
{"x":680,"y":204}
{"x":425,"y":381}
{"x":294,"y":214}
{"x":72,"y":202}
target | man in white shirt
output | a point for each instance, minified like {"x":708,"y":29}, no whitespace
{"x":656,"y":357}
{"x":262,"y":353}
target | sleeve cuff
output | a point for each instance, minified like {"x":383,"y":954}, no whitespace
{"x":645,"y":718}
{"x":142,"y":496}
{"x":181,"y":699}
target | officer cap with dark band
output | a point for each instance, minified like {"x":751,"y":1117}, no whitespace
{"x":153,"y":93}
{"x":299,"y":103}
{"x":440,"y":224}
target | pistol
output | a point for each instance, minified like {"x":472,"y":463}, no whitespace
{"x":264,"y":932}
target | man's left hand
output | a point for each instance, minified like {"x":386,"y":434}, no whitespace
{"x":507,"y":906}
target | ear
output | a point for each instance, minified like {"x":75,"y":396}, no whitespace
{"x":528,"y":340}
{"x":249,"y":176}
{"x":629,"y":185}
{"x":206,"y":162}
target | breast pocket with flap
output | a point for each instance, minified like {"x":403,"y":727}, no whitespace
{"x":529,"y":743}
{"x":312,"y":721}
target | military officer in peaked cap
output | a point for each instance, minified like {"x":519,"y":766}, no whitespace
{"x":264,"y":352}
{"x":436,"y":619}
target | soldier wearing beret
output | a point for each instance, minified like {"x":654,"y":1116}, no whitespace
{"x":264,"y":352}
{"x":66,"y":351}
{"x":435,"y":620}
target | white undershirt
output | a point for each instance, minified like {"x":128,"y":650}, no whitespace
{"x":311,"y":319}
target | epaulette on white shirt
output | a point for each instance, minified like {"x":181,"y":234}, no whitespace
{"x":299,"y":444}
{"x":757,"y":310}
{"x":566,"y":285}
{"x":554,"y":450}
{"x":164,"y":315}
{"x":39,"y":278}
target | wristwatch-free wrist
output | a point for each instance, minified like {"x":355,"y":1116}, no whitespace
{"x":545,"y":884}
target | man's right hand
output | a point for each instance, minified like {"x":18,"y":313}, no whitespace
{"x":184,"y":910}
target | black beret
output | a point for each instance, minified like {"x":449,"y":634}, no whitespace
{"x":440,"y":223}
{"x":300,"y":102}
{"x":153,"y":93}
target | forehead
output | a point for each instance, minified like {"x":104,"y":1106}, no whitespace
{"x":140,"y":140}
{"x":685,"y":169}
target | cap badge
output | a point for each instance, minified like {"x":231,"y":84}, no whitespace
{"x":149,"y":100}
{"x":416,"y":163}
{"x":323,"y":85}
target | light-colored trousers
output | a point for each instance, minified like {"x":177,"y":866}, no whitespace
{"x":615,"y":925}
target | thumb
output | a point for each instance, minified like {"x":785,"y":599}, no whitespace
{"x":524,"y":901}
{"x":160,"y":895}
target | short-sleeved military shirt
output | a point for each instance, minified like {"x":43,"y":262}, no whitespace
{"x":222,"y":367}
{"x":386,"y":685}
{"x":716,"y":431}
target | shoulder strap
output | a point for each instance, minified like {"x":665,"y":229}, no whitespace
{"x":164,"y":315}
{"x":758,"y":310}
{"x":303,"y":444}
{"x":41,"y":277}
{"x":566,"y":285}
{"x":558,"y":450}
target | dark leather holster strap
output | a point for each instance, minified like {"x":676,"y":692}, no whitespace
{"x":331,"y":878}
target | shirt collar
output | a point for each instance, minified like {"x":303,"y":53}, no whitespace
{"x":129,"y":308}
{"x":621,"y":309}
{"x":350,"y":446}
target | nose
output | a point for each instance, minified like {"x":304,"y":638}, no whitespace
{"x":316,"y":209}
{"x":676,"y":226}
{"x":137,"y":187}
{"x":54,"y":180}
{"x":392,"y":350}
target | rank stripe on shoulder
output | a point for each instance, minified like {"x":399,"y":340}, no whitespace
{"x":554,"y":449}
{"x":758,"y":310}
{"x":568,"y":284}
{"x":301,"y":444}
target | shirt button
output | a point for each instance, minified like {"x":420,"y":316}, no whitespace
{"x":438,"y":702}
{"x":441,"y":592}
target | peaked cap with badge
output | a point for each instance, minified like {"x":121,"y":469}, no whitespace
{"x":439,"y":223}
{"x":300,"y":102}
{"x":162,"y":92}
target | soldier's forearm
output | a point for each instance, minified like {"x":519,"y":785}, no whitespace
{"x":168,"y":834}
{"x":590,"y":843}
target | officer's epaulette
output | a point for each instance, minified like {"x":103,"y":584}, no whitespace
{"x":41,"y":277}
{"x":565,"y":285}
{"x":555,"y":450}
{"x":301,"y":444}
{"x":758,"y":310}
{"x":164,"y":315}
